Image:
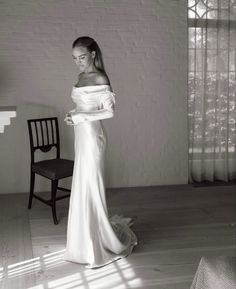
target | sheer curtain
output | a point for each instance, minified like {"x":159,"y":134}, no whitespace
{"x":211,"y":96}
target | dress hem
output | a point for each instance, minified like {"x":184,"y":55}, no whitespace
{"x":89,"y":266}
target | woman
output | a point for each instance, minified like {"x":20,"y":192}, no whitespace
{"x":92,"y":238}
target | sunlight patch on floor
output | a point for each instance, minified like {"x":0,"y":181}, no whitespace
{"x":117,"y":275}
{"x":38,"y":287}
{"x":22,"y":268}
{"x":1,"y":273}
{"x":34,"y":265}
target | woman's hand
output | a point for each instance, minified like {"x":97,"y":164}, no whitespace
{"x":68,"y":119}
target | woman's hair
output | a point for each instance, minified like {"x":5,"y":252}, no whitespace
{"x":91,"y":45}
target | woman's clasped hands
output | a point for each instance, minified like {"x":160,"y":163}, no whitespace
{"x":68,"y":119}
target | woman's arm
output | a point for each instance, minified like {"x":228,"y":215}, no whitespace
{"x":107,"y":111}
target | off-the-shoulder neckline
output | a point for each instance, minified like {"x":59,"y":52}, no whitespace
{"x":98,"y":85}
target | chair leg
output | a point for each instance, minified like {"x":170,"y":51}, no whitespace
{"x":32,"y":180}
{"x":54,"y":192}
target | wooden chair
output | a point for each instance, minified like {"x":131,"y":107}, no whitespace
{"x":44,"y":135}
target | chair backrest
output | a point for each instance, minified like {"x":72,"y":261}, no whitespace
{"x":44,"y":135}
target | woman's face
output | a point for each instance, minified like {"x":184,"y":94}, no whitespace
{"x":83,"y":58}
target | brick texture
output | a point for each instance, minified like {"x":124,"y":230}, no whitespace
{"x":144,"y":44}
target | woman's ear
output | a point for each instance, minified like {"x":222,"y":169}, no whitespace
{"x":93,"y":53}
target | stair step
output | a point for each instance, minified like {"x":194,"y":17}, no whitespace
{"x":6,"y":112}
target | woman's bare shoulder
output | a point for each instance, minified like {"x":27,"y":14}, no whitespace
{"x":93,"y":78}
{"x":101,"y":78}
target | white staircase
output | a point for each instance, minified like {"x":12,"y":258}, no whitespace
{"x":6,"y":112}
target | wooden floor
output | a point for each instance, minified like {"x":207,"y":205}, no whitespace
{"x":175,"y":225}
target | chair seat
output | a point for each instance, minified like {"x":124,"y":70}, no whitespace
{"x":215,"y":272}
{"x":54,"y":169}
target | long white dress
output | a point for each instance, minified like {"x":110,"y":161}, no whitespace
{"x":92,"y":238}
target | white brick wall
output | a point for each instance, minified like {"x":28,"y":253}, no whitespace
{"x":144,"y":44}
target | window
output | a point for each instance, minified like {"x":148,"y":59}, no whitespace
{"x":211,"y":78}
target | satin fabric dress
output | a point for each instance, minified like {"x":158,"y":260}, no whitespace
{"x":92,"y":238}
